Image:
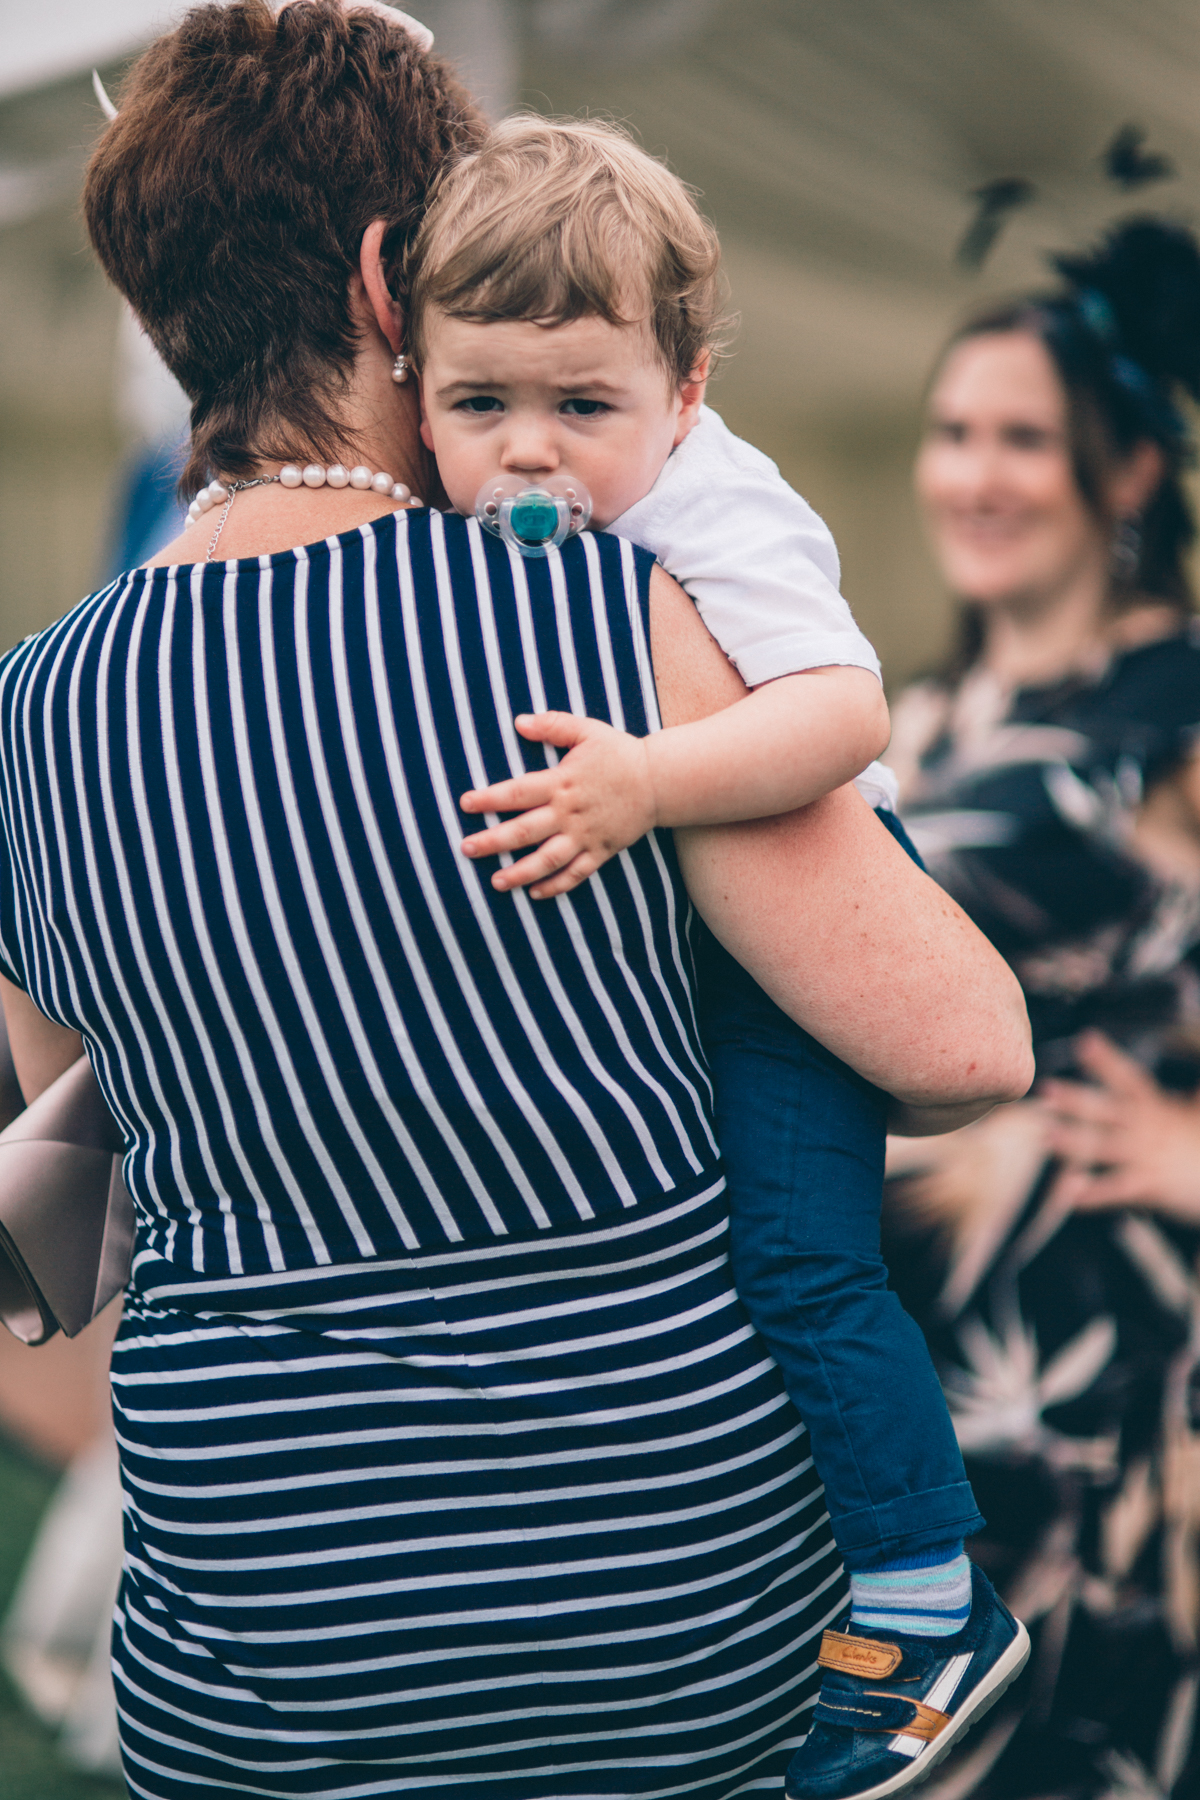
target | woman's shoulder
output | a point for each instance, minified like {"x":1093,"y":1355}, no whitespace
{"x":1159,"y":680}
{"x":1143,"y":709}
{"x":51,"y":637}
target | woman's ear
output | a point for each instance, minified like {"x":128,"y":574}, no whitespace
{"x":385,"y":311}
{"x":1132,"y":483}
{"x":691,"y":397}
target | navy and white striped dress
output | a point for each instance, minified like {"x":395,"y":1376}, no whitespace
{"x":452,"y":1464}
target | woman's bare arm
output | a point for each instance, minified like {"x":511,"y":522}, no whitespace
{"x":41,"y":1050}
{"x":840,"y":927}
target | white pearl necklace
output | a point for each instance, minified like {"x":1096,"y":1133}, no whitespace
{"x":315,"y":475}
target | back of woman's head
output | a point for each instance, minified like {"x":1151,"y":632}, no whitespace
{"x":1123,"y":332}
{"x":228,"y":200}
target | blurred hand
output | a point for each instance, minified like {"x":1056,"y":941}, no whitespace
{"x":1126,"y":1142}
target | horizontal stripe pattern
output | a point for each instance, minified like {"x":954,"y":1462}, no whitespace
{"x":229,"y":801}
{"x":535,"y":1519}
{"x":932,"y":1599}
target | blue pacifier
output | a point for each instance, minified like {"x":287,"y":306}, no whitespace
{"x":533,"y":518}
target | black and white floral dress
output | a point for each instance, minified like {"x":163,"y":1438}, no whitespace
{"x":1070,"y":1344}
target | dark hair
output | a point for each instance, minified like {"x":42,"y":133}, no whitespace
{"x":1123,"y":333}
{"x":228,"y":200}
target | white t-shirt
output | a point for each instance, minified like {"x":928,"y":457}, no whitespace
{"x":759,"y":563}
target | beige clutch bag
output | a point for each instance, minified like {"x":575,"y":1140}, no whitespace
{"x":66,"y":1218}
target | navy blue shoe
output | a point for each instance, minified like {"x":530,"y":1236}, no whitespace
{"x":891,"y":1705}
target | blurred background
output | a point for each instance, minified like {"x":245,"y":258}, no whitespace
{"x":841,"y":150}
{"x":838,"y":148}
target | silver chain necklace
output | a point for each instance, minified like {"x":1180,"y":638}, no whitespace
{"x":232,"y":490}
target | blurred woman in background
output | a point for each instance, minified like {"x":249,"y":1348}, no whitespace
{"x":1050,"y":778}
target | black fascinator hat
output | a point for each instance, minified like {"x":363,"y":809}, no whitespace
{"x":1131,"y":309}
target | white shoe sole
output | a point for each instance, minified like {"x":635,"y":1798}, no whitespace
{"x":999,"y":1677}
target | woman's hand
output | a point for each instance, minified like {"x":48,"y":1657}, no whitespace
{"x":40,"y":1049}
{"x":1126,"y":1142}
{"x":597,"y":800}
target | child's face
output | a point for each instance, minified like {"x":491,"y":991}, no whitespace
{"x":586,"y":399}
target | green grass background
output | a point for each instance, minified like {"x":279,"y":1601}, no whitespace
{"x":30,"y":1767}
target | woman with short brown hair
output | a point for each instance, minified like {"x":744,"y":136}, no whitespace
{"x":450,"y":1460}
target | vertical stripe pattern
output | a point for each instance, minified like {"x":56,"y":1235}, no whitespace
{"x":229,"y":797}
{"x":452,"y":1464}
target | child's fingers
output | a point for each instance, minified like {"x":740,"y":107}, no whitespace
{"x":515,"y":834}
{"x":550,"y":857}
{"x":559,"y":728}
{"x":511,"y":796}
{"x":573,"y":875}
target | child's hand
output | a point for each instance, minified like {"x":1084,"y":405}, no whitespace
{"x":598,"y":799}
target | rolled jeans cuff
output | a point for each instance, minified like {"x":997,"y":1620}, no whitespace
{"x":909,"y":1523}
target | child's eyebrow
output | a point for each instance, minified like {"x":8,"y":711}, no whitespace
{"x":463,"y":386}
{"x":591,"y":381}
{"x":484,"y":384}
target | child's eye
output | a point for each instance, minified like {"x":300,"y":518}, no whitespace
{"x":480,"y":403}
{"x":584,"y":409}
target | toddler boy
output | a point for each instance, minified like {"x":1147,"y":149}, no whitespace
{"x":564,"y":315}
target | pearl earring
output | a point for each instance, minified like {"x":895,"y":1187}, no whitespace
{"x":400,"y":369}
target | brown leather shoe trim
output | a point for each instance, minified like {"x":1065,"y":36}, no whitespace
{"x":927,"y":1724}
{"x":866,"y":1657}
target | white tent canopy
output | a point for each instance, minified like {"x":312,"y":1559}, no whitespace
{"x":54,"y":38}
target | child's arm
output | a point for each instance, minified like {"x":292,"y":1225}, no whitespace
{"x":783,"y":746}
{"x":762,"y":570}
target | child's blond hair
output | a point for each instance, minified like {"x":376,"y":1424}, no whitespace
{"x":560,"y":219}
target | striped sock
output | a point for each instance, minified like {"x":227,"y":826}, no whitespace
{"x":928,"y":1595}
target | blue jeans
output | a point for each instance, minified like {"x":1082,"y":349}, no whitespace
{"x":803,"y":1141}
